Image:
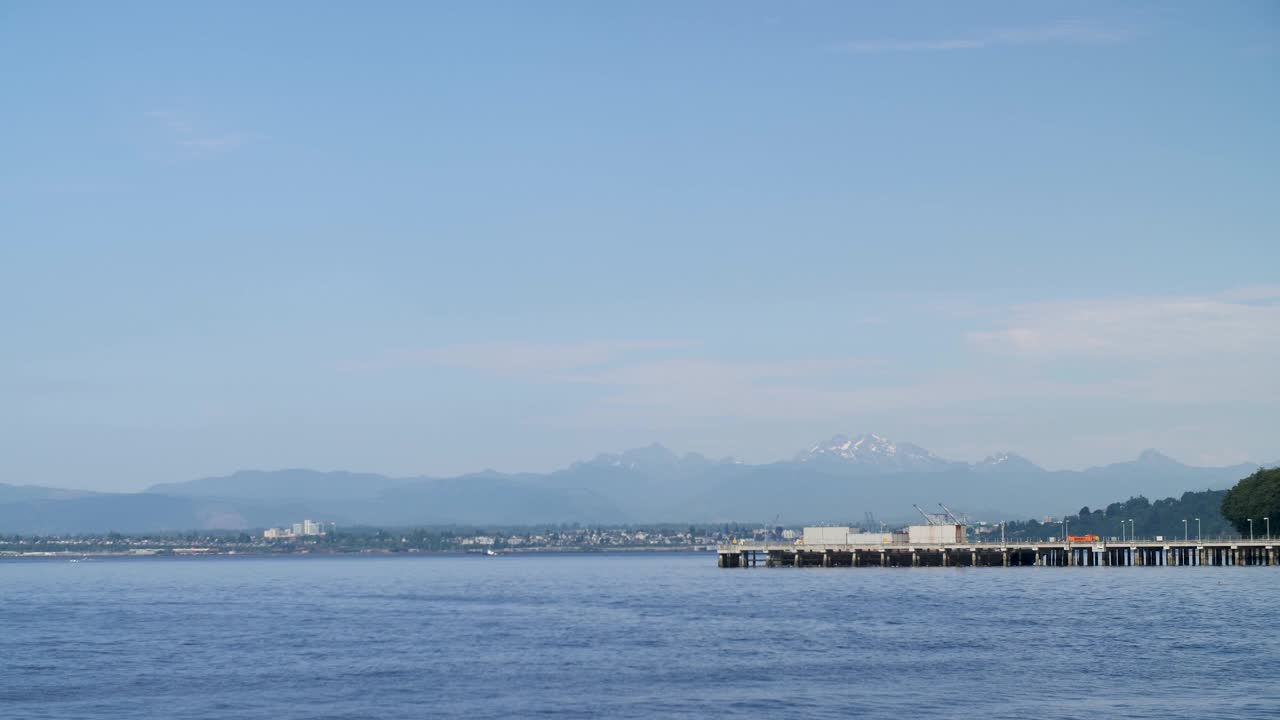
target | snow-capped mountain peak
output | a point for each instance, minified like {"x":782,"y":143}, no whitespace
{"x":1006,"y":462}
{"x":651,"y":457}
{"x":873,"y":451}
{"x":850,"y":448}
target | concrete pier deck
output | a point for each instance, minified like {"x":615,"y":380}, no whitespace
{"x":1166,"y":553}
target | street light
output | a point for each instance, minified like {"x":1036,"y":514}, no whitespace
{"x":1197,"y":531}
{"x":1250,"y":529}
{"x":1121,"y":531}
{"x":1268,"y":520}
{"x":1133,"y":532}
{"x":1185,"y":537}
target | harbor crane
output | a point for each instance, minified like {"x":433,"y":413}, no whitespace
{"x":870,"y":518}
{"x":952,"y":515}
{"x":929,"y":519}
{"x":774,"y":531}
{"x":946,"y":517}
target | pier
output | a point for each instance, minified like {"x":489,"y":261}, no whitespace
{"x":1127,"y":553}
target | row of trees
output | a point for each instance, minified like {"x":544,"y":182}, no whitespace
{"x":1150,"y":519}
{"x":1254,"y":498}
{"x":1220,"y":512}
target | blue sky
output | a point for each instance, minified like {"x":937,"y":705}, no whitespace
{"x":428,"y":238}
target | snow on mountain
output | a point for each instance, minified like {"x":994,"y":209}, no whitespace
{"x":1006,"y":462}
{"x":873,"y":452}
{"x":877,"y":453}
{"x":651,"y":457}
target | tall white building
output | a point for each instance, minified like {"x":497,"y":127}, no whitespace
{"x":305,"y":528}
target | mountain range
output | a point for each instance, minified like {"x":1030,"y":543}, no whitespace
{"x":837,"y":480}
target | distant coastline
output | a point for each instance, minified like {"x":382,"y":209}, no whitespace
{"x":843,"y":478}
{"x":185,"y":553}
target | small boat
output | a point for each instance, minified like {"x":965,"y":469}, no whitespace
{"x":491,"y":553}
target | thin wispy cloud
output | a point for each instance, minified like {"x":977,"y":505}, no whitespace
{"x":1064,"y":31}
{"x":175,"y":122}
{"x":531,"y":360}
{"x":1145,"y":355}
{"x":214,"y":144}
{"x":1255,"y":293}
{"x":875,"y":46}
{"x":1152,"y":349}
{"x":186,"y":131}
{"x":1243,"y":321}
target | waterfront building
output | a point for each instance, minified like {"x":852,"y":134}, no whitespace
{"x":306,"y":528}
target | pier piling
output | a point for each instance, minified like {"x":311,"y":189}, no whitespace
{"x":1223,"y":553}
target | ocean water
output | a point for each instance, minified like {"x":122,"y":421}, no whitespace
{"x":630,"y":635}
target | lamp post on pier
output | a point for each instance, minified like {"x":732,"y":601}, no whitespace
{"x":1268,"y":521}
{"x":1185,"y":535}
{"x":1197,"y":531}
{"x":1133,"y":533}
{"x":1250,"y":529}
{"x":1121,"y":531}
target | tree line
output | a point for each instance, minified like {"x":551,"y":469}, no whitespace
{"x":1255,"y":498}
{"x":1220,"y":513}
{"x":1149,"y":519}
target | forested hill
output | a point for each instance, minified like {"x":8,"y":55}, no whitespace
{"x":1162,"y":517}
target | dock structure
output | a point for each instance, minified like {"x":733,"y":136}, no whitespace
{"x":1128,"y":553}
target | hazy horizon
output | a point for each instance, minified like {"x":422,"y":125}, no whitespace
{"x":138,"y":487}
{"x":427,"y":240}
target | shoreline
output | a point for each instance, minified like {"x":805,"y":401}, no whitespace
{"x":216,"y":553}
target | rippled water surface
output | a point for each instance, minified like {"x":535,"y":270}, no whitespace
{"x":630,"y":636}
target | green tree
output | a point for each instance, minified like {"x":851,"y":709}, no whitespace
{"x":1256,"y":497}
